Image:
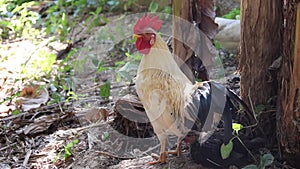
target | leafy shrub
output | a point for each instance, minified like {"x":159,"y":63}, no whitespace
{"x":17,"y":19}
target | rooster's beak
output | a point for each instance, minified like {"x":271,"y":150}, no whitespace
{"x":135,"y":36}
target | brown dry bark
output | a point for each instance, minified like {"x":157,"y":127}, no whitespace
{"x":261,"y":24}
{"x":187,"y":39}
{"x":268,"y":30}
{"x":288,"y":117}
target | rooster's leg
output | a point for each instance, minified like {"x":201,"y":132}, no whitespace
{"x":163,"y":153}
{"x":178,"y":149}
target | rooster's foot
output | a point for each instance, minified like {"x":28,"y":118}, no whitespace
{"x":178,"y":151}
{"x":160,"y":159}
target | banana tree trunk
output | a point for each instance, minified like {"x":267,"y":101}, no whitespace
{"x":288,"y":117}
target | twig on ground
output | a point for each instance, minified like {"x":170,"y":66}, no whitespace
{"x":92,"y":125}
{"x":26,"y":159}
{"x":37,"y":110}
{"x":14,"y":116}
{"x":61,"y":110}
{"x":98,"y":85}
{"x":113,"y":156}
{"x":10,"y":145}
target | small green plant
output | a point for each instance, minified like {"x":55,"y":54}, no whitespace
{"x":217,"y":44}
{"x":128,"y":4}
{"x":67,"y":150}
{"x":17,"y":19}
{"x":40,"y":66}
{"x":167,"y":9}
{"x":60,"y":84}
{"x":16,"y":111}
{"x":105,"y":90}
{"x":129,"y":68}
{"x":154,"y":7}
{"x":95,"y":18}
{"x":60,"y":24}
{"x":259,"y":108}
{"x":58,"y":21}
{"x":13,"y":95}
{"x":234,"y":14}
{"x":227,"y":149}
{"x":265,"y":161}
{"x":104,"y":136}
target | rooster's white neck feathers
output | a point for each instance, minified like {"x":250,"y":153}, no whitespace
{"x":161,"y":58}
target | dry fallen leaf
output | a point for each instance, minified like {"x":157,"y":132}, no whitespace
{"x":42,"y":123}
{"x":4,"y":110}
{"x":30,"y":91}
{"x":96,"y":114}
{"x":33,"y":97}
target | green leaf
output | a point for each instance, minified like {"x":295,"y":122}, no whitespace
{"x":118,"y":77}
{"x":153,"y":7}
{"x":137,"y":57}
{"x":232,"y":14}
{"x":237,"y":127}
{"x":105,"y":90}
{"x":112,"y":2}
{"x":68,"y":148}
{"x":101,"y":68}
{"x":198,"y":79}
{"x":125,"y":75}
{"x":266,"y":160}
{"x":4,"y":23}
{"x":98,"y":10}
{"x":105,"y":20}
{"x":226,"y":149}
{"x":15,"y":112}
{"x":217,"y":44}
{"x":76,"y":141}
{"x":94,"y":59}
{"x":119,"y":63}
{"x":132,"y":40}
{"x":259,"y":108}
{"x":53,"y":88}
{"x":72,"y":95}
{"x":251,"y":166}
{"x":127,"y":54}
{"x":167,"y":9}
{"x":104,"y":136}
{"x":64,"y":19}
{"x":129,"y":67}
{"x":67,"y":154}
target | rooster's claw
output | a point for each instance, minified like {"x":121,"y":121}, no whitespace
{"x":160,"y":159}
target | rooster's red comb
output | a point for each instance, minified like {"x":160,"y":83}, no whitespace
{"x":147,"y":22}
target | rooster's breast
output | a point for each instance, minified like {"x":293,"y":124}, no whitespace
{"x":162,"y":98}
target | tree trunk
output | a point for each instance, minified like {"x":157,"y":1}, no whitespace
{"x":261,"y":23}
{"x":188,"y":17}
{"x":288,"y":117}
{"x":261,"y":41}
{"x":181,"y":30}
